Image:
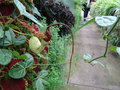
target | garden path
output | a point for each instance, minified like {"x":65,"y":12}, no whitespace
{"x":88,"y":77}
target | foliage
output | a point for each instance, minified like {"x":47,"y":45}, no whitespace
{"x":6,"y":56}
{"x":20,"y":37}
{"x":110,"y":21}
{"x":54,"y":11}
{"x":80,"y":2}
{"x":57,"y":54}
{"x":56,"y":79}
{"x":77,"y":19}
{"x":106,"y":8}
{"x":105,"y":21}
{"x":68,"y":3}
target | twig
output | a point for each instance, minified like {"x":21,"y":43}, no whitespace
{"x":21,"y":33}
{"x":112,"y":29}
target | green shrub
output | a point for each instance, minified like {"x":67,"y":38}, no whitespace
{"x":57,"y":59}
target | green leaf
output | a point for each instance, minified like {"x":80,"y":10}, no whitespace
{"x":97,"y":62}
{"x":105,"y":37}
{"x":35,"y":10}
{"x":87,"y":57}
{"x":22,"y":57}
{"x":43,"y":73}
{"x":118,"y":50}
{"x":27,"y":62}
{"x":20,"y":40}
{"x":31,"y":17}
{"x":10,"y":39}
{"x":17,"y":55}
{"x":5,"y":56}
{"x":42,"y":56}
{"x":23,"y":11}
{"x":17,"y":71}
{"x":39,"y":85}
{"x":86,"y":23}
{"x":113,"y":48}
{"x":1,"y":32}
{"x":20,"y":6}
{"x":105,"y":21}
{"x":45,"y":82}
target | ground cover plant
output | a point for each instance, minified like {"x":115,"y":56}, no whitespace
{"x":31,"y":52}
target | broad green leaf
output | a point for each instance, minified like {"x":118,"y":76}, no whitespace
{"x":20,"y":6}
{"x":105,"y":21}
{"x":5,"y":56}
{"x":43,"y":73}
{"x":97,"y":62}
{"x":23,"y":11}
{"x":17,"y":71}
{"x":87,"y":57}
{"x":35,"y":10}
{"x":10,"y":39}
{"x":31,"y":17}
{"x":39,"y":85}
{"x":27,"y":62}
{"x":20,"y":40}
{"x":1,"y":32}
{"x":22,"y":57}
{"x":113,"y":48}
{"x":44,"y":82}
{"x":118,"y":50}
{"x":17,"y":55}
{"x":86,"y":23}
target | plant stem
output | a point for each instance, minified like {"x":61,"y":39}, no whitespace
{"x":104,"y":55}
{"x":21,"y":33}
{"x":106,"y":49}
{"x":112,"y":29}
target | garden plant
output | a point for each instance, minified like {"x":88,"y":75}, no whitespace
{"x":31,"y":52}
{"x":35,"y":38}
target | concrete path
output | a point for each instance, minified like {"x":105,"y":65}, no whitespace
{"x":88,"y":77}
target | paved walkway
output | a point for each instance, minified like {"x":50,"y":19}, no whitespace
{"x":87,"y":77}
